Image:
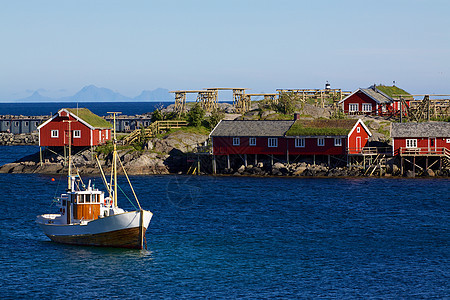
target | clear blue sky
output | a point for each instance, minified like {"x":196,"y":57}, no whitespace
{"x":58,"y":47}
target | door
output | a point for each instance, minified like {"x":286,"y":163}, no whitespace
{"x":358,"y":143}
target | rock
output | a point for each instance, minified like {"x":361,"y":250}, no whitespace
{"x":299,"y":171}
{"x":410,"y":174}
{"x":241,"y":169}
{"x":430,"y":173}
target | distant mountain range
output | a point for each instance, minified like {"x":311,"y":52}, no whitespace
{"x":91,"y":93}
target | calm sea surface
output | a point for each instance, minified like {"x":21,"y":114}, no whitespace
{"x":99,"y":108}
{"x":230,"y":237}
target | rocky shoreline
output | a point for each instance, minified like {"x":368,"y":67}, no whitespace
{"x":11,"y":139}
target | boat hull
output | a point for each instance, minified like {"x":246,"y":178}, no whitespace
{"x":125,"y":230}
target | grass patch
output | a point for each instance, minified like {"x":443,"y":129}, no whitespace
{"x":391,"y":90}
{"x":189,"y":129}
{"x":319,"y":128}
{"x":89,"y":117}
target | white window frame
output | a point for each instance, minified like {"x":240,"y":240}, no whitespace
{"x":300,"y":143}
{"x":16,"y":124}
{"x":26,"y":123}
{"x":77,"y":134}
{"x":353,"y":107}
{"x":99,"y":135}
{"x":54,"y":133}
{"x":320,"y":142}
{"x":367,"y":107}
{"x":338,"y":142}
{"x":411,"y":143}
{"x":252,"y":141}
{"x":358,"y":129}
{"x":447,"y":141}
{"x":236,"y":141}
{"x":272,"y":142}
{"x":106,"y":134}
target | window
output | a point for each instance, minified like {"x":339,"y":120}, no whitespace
{"x":358,"y":129}
{"x":299,"y":142}
{"x":367,"y":107}
{"x":77,"y":134}
{"x":320,"y":141}
{"x":99,"y":135}
{"x":252,"y":141}
{"x":236,"y":141}
{"x":54,"y":133}
{"x":16,"y":123}
{"x":352,"y":107}
{"x":36,"y":124}
{"x":26,"y":123}
{"x":338,"y":142}
{"x":106,"y":134}
{"x":411,"y":143}
{"x":272,"y":142}
{"x":7,"y":123}
{"x":447,"y":141}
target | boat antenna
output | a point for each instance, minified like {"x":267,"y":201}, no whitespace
{"x":115,"y":156}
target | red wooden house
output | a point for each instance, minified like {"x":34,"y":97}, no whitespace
{"x":307,"y":137}
{"x":369,"y":101}
{"x":427,"y":138}
{"x":327,"y":137}
{"x":87,"y":129}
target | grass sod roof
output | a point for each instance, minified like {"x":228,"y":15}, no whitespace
{"x":90,"y":118}
{"x":320,"y":127}
{"x":391,"y":91}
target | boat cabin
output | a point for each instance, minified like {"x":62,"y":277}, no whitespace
{"x":84,"y":205}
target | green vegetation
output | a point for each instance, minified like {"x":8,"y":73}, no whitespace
{"x":215,"y":118}
{"x":190,"y":129}
{"x":89,"y":117}
{"x":391,"y":91}
{"x":320,"y":127}
{"x":286,"y":103}
{"x":196,"y":115}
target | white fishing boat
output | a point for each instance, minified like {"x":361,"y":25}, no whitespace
{"x":89,"y":217}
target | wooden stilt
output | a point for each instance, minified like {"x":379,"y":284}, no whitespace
{"x":329,"y":161}
{"x":214,"y":165}
{"x":40,"y":156}
{"x":228,"y":161}
{"x":402,"y":162}
{"x":245,"y":160}
{"x":287,"y":156}
{"x":271,"y":159}
{"x":414,"y":165}
{"x":256,"y":160}
{"x":314,"y":159}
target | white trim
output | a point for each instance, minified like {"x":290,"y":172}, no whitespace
{"x":214,"y":128}
{"x":353,"y":106}
{"x":363,"y":125}
{"x":250,"y":141}
{"x":91,"y":132}
{"x":300,"y":144}
{"x":411,"y":143}
{"x":54,"y":136}
{"x":340,"y":142}
{"x":79,"y":134}
{"x":236,"y":141}
{"x":275,"y":144}
{"x":320,"y":141}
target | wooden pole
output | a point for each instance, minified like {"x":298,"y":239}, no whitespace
{"x":228,"y":161}
{"x":214,"y":165}
{"x":256,"y":159}
{"x":245,"y":160}
{"x":40,"y":155}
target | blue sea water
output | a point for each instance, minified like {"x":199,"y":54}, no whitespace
{"x":238,"y":237}
{"x":99,"y":108}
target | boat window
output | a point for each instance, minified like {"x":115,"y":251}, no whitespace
{"x":80,"y":199}
{"x":88,"y":198}
{"x":64,"y":202}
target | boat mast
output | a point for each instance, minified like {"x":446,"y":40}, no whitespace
{"x":115,"y":157}
{"x":69,"y":185}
